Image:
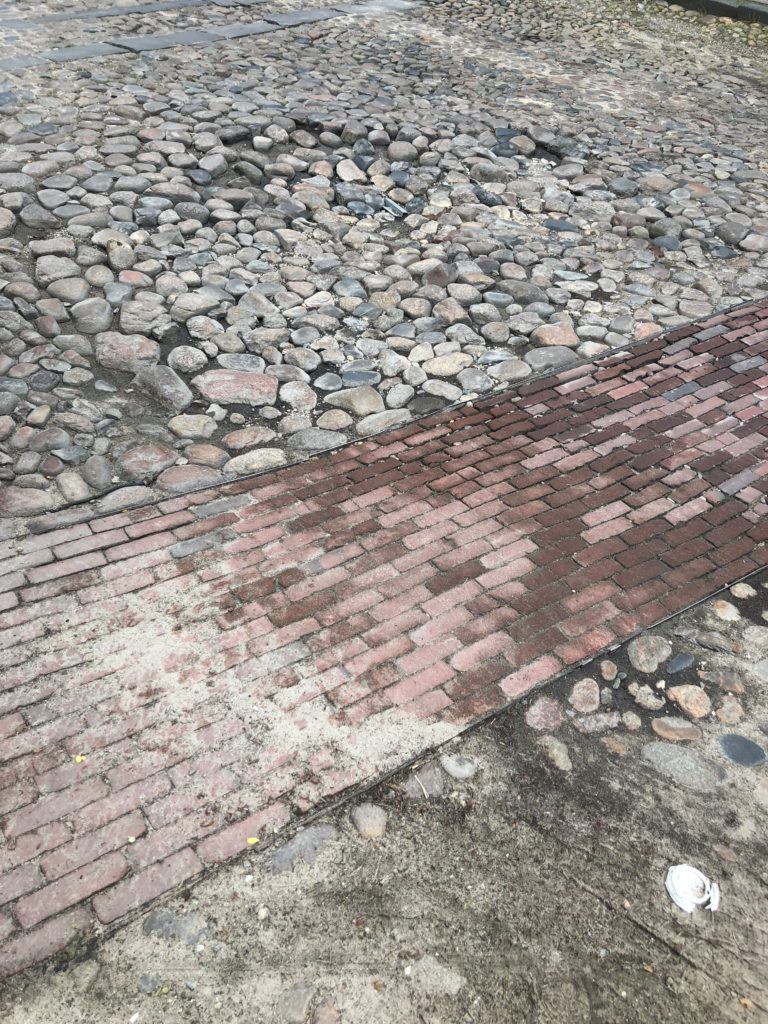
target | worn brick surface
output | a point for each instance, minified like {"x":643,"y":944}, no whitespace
{"x":178,"y":679}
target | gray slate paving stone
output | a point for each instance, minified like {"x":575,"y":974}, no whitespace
{"x":18,"y":63}
{"x":291,"y":18}
{"x":238,"y":31}
{"x":81,"y":52}
{"x":140,"y":44}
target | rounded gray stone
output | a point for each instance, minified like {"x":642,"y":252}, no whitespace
{"x":92,"y":316}
{"x":647,"y":652}
{"x":315,"y":439}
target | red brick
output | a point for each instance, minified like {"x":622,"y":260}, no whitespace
{"x":140,"y":547}
{"x":30,"y":845}
{"x":18,"y":882}
{"x":413,"y":686}
{"x":71,"y":889}
{"x":444,"y":569}
{"x":55,"y":570}
{"x":33,"y":947}
{"x":218,"y":782}
{"x":233,"y":840}
{"x":475,"y":654}
{"x":585,"y":646}
{"x":527,"y":677}
{"x":146,"y":886}
{"x":89,"y":543}
{"x":606,"y":530}
{"x":93,"y":845}
{"x":423,"y":657}
{"x":115,"y":805}
{"x":51,"y":808}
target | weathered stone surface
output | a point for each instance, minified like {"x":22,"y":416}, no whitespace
{"x":255,"y":461}
{"x":597,"y":723}
{"x":447,"y":366}
{"x":725,"y":610}
{"x":729,"y":680}
{"x":561,"y":333}
{"x":7,"y":223}
{"x":165,"y":385}
{"x":426,"y":783}
{"x":545,"y":715}
{"x":315,"y":439}
{"x":192,"y":426}
{"x":647,"y":652}
{"x":557,"y":752}
{"x":684,"y":767}
{"x":146,"y":461}
{"x":25,"y":501}
{"x":691,"y":700}
{"x":459,"y":767}
{"x":53,"y":268}
{"x":361,"y":401}
{"x":92,"y":316}
{"x":585,"y":696}
{"x":647,"y":698}
{"x":369,"y":820}
{"x":676,"y":730}
{"x":382,"y":421}
{"x":237,"y":387}
{"x":730,"y":711}
{"x":303,"y":848}
{"x":127,"y":352}
{"x":181,"y":479}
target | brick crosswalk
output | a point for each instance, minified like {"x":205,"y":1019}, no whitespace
{"x":179,"y":680}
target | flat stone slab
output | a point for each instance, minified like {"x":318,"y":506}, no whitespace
{"x":239,"y":30}
{"x":290,"y":18}
{"x":18,"y":63}
{"x":684,"y":767}
{"x":138,"y":44}
{"x":81,"y":52}
{"x":303,"y":848}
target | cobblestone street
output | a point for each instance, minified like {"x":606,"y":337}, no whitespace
{"x":236,"y":236}
{"x":362,"y":369}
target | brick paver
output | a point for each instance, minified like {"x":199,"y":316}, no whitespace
{"x":185,"y":677}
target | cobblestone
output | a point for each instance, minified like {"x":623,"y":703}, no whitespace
{"x":430,"y":243}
